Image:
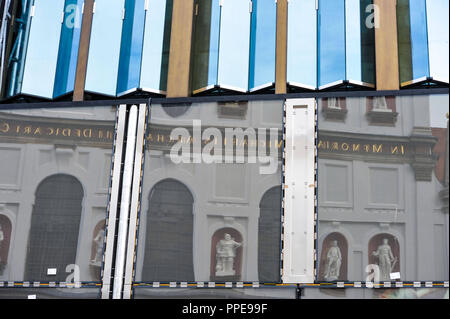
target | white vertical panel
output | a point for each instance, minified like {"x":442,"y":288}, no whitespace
{"x":125,"y":203}
{"x":298,"y":249}
{"x":112,"y":208}
{"x":134,"y":202}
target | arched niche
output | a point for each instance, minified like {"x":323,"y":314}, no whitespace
{"x":168,"y":252}
{"x":269,"y":236}
{"x":55,"y":224}
{"x":335,"y":243}
{"x":237,"y":261}
{"x":377,"y":244}
{"x":5,"y":240}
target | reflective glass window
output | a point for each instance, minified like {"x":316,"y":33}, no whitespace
{"x":382,"y":216}
{"x":54,"y":183}
{"x":262,"y":44}
{"x":155,"y":55}
{"x":419,"y":38}
{"x":413,"y":41}
{"x":16,"y":60}
{"x":234,"y":45}
{"x":438,"y":25}
{"x":131,"y":46}
{"x":302,"y":44}
{"x":68,"y":47}
{"x":205,"y":47}
{"x":104,"y":48}
{"x":145,"y":46}
{"x":346,"y":43}
{"x":331,"y":25}
{"x":42,"y":50}
{"x":211,"y":194}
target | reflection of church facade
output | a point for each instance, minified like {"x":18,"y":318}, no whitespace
{"x":189,"y":209}
{"x":54,"y":180}
{"x":383,"y":191}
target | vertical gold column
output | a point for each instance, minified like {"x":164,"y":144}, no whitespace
{"x":386,"y":45}
{"x":281,"y":48}
{"x":180,"y":49}
{"x":83,"y":51}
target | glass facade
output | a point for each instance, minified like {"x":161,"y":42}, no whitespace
{"x":44,"y":56}
{"x":231,"y":195}
{"x":330,"y":45}
{"x":234,"y":45}
{"x":423,"y":41}
{"x":59,"y":163}
{"x":345,"y":44}
{"x":206,"y":45}
{"x":213,"y":198}
{"x":135,"y":53}
{"x":104,"y":48}
{"x":185,"y":214}
{"x":68,"y":48}
{"x":262,"y":44}
{"x":302,"y":44}
{"x":145,"y":46}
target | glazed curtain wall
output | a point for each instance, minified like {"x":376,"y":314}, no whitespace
{"x":126,"y":37}
{"x":345,"y":43}
{"x":234,"y":45}
{"x":423,"y":40}
{"x":45,"y":51}
{"x":129,"y":47}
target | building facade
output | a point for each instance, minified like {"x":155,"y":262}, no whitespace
{"x":175,"y":126}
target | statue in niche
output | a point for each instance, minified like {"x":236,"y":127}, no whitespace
{"x":98,"y":240}
{"x":333,"y":262}
{"x":225,"y":254}
{"x":380,"y":104}
{"x":386,"y":260}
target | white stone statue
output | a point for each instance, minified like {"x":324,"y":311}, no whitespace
{"x":98,"y":240}
{"x":225,"y":254}
{"x":386,"y":260}
{"x":334,"y":261}
{"x":380,"y":104}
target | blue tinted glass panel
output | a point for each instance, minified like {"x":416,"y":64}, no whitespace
{"x":419,"y":39}
{"x":205,"y":48}
{"x":302,"y":43}
{"x":131,"y":46}
{"x":156,"y":27}
{"x":353,"y":40}
{"x":234,"y":45}
{"x":437,"y":19}
{"x":331,"y":41}
{"x":42,"y":51}
{"x":262,"y":43}
{"x":16,"y":60}
{"x":104,"y":49}
{"x":68,"y":47}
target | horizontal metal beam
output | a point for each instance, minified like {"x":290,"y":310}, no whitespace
{"x":226,"y":98}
